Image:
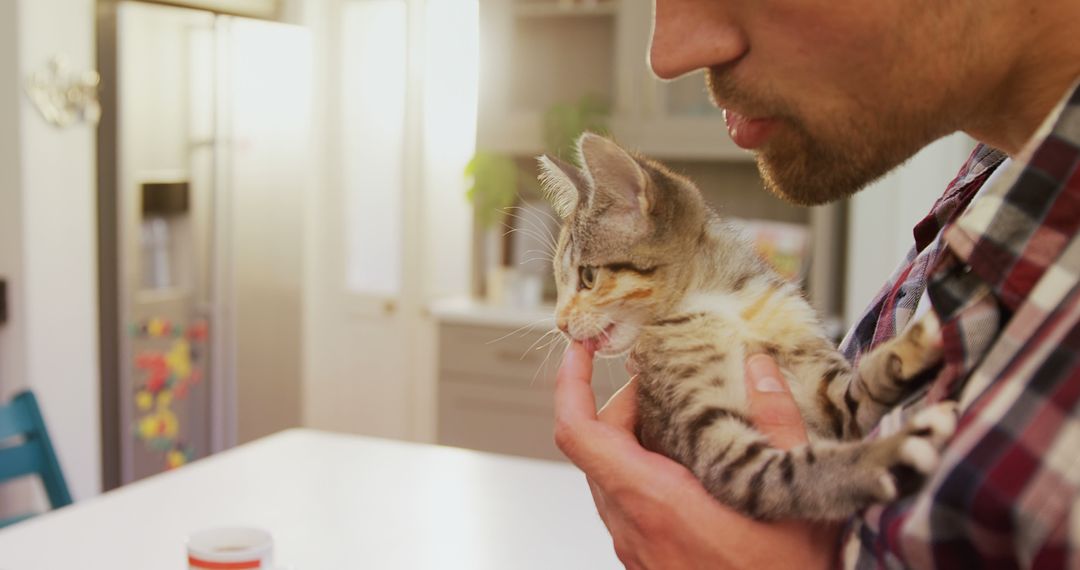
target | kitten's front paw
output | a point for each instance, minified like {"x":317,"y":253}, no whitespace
{"x":937,"y":423}
{"x":885,"y":375}
{"x":921,"y":444}
{"x":919,"y":347}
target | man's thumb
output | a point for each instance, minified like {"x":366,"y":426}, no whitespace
{"x":772,"y":408}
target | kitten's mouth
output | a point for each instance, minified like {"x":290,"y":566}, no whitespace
{"x":598,"y":343}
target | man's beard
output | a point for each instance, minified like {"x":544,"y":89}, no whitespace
{"x":814,"y":167}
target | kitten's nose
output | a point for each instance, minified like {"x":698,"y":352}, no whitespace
{"x":563,"y":325}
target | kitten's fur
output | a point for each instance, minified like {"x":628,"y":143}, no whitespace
{"x":643,"y":264}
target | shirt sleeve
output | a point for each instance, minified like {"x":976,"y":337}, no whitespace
{"x":1006,"y":492}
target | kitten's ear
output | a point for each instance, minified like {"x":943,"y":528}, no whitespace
{"x":563,"y":183}
{"x":616,"y":174}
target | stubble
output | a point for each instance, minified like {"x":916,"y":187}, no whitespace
{"x":834,"y":158}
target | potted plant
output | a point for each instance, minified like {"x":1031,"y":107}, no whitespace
{"x":492,"y":192}
{"x":496,"y":181}
{"x":564,"y":123}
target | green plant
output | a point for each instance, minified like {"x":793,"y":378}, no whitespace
{"x":494,"y":186}
{"x":564,"y":123}
{"x":495,"y":176}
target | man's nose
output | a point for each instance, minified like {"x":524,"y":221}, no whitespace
{"x":691,"y":34}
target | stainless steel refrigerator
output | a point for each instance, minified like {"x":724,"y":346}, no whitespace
{"x":202,"y":171}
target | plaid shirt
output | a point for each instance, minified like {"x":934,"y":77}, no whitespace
{"x":1003,"y":273}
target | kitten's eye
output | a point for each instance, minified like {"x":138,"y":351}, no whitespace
{"x":586,"y":277}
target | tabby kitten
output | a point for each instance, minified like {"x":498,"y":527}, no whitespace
{"x":643,"y":265}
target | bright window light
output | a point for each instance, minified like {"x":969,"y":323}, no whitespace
{"x":373,"y":78}
{"x":374,"y":82}
{"x":451,"y":63}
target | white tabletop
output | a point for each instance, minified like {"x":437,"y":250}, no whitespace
{"x":334,"y":502}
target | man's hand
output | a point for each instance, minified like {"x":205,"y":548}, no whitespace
{"x":659,"y":515}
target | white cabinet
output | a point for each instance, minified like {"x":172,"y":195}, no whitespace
{"x":536,"y":53}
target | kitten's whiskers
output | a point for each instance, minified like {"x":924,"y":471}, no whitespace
{"x":529,"y":227}
{"x":533,"y":345}
{"x":547,"y":229}
{"x":521,"y":329}
{"x":551,"y":346}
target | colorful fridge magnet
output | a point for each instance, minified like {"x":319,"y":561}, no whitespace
{"x":166,"y":375}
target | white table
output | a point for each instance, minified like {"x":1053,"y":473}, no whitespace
{"x":334,"y":502}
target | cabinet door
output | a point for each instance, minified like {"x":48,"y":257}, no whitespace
{"x":540,"y":53}
{"x":665,"y":119}
{"x":496,"y":419}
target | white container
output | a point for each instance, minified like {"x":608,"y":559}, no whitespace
{"x":230,"y":547}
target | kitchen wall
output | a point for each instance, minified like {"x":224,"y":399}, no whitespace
{"x":12,"y":335}
{"x":47,"y":239}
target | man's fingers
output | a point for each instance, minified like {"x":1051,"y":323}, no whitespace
{"x":600,"y":500}
{"x":594,"y":444}
{"x":772,"y":408}
{"x":575,"y":404}
{"x":621,"y":410}
{"x":574,"y":399}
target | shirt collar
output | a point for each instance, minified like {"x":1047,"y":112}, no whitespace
{"x":979,"y":166}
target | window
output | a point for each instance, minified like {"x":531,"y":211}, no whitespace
{"x":373,"y":84}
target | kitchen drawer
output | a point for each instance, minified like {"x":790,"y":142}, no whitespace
{"x":481,"y":354}
{"x":504,"y":419}
{"x":499,"y":420}
{"x":493,"y":354}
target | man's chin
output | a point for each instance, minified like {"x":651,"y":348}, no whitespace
{"x":806,"y":180}
{"x":813,"y":169}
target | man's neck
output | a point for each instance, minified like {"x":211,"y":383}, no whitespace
{"x":1047,"y":66}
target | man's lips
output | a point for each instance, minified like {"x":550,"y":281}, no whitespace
{"x":748,"y":133}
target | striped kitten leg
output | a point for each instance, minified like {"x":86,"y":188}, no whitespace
{"x":885,"y":374}
{"x":826,"y":480}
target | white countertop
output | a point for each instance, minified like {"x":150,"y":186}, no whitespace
{"x":468,"y":311}
{"x":334,"y":502}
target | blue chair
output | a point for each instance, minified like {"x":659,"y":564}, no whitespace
{"x":33,"y":455}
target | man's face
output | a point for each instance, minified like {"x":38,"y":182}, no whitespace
{"x":830,"y":94}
